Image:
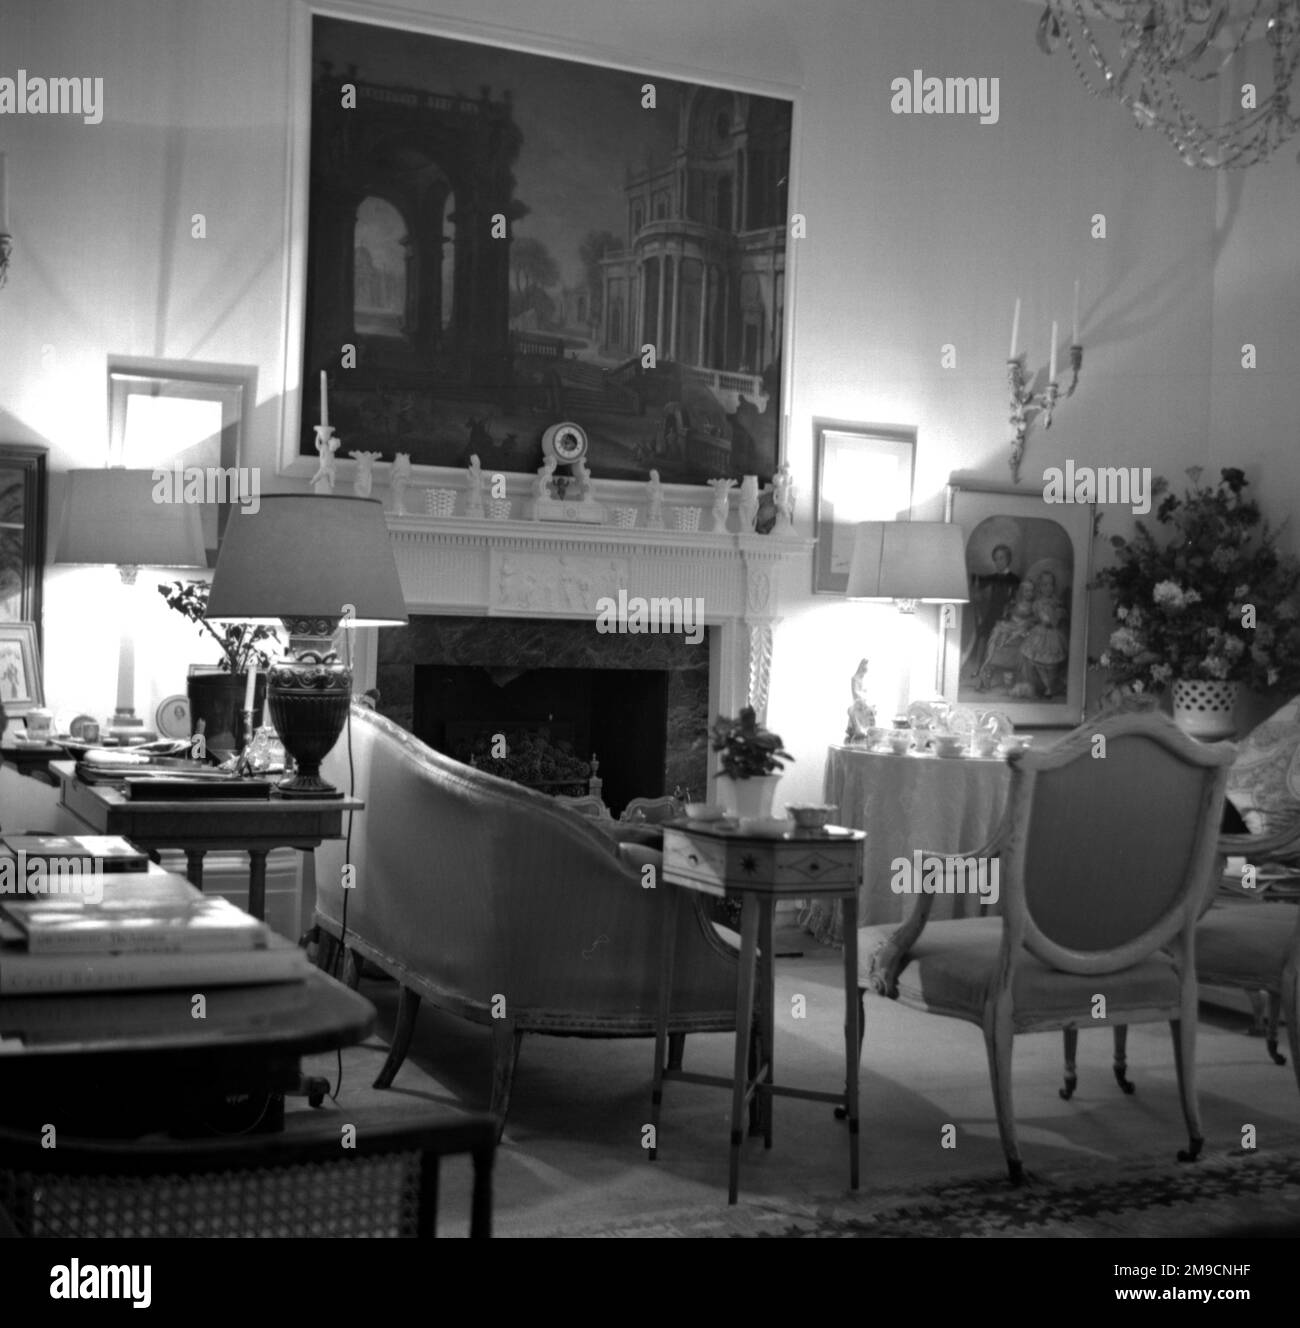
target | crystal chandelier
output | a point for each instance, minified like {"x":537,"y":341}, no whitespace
{"x":1142,"y":50}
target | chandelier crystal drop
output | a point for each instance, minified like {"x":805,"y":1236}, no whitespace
{"x":1146,"y":54}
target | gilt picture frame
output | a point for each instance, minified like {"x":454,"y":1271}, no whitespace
{"x":22,"y":687}
{"x":532,"y":270}
{"x":22,"y":533}
{"x":1020,"y":646}
{"x":864,"y":473}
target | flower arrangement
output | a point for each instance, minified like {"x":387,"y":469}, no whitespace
{"x":748,"y":749}
{"x":238,"y":641}
{"x":1216,"y":600}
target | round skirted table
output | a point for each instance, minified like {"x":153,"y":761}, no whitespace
{"x":905,"y":803}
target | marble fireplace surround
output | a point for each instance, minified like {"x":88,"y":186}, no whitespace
{"x":525,"y":569}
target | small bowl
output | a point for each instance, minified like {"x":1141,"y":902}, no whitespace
{"x":704,"y":811}
{"x":984,"y":745}
{"x":899,"y":741}
{"x":947,"y":745}
{"x":811,"y":815}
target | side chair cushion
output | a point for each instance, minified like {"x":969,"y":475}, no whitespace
{"x":1264,"y":781}
{"x":953,"y":965}
{"x":1245,"y":943}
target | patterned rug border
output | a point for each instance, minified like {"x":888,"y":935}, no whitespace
{"x":1149,"y":1196}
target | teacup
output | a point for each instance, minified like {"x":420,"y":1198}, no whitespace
{"x":946,"y":744}
{"x":983,"y":745}
{"x":898,"y":741}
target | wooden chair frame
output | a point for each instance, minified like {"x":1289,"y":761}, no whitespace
{"x":1175,"y":928}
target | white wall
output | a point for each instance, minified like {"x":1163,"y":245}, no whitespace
{"x":921,"y":232}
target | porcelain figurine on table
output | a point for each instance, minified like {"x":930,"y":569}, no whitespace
{"x":783,"y":493}
{"x":748,"y":502}
{"x":363,"y":481}
{"x":862,"y":715}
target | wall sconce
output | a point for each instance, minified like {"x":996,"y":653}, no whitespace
{"x":6,"y":240}
{"x":1025,"y":404}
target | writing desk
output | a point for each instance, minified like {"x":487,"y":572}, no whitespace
{"x":255,"y":825}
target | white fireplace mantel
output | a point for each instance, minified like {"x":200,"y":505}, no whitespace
{"x":527,"y":569}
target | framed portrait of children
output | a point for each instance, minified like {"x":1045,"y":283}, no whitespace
{"x":1020,"y":645}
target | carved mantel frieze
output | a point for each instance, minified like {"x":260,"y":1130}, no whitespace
{"x":531,"y":569}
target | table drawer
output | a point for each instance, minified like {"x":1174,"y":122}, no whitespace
{"x":702,"y":861}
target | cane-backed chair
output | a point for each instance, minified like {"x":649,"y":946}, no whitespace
{"x":1099,"y":913}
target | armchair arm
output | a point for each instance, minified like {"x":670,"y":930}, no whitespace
{"x":1281,"y":846}
{"x":888,"y":961}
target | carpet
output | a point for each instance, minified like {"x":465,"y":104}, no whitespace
{"x":1252,"y":1193}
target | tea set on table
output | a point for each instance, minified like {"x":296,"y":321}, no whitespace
{"x":942,"y":729}
{"x":804,"y":818}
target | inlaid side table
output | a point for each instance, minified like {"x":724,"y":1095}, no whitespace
{"x":713,"y":859}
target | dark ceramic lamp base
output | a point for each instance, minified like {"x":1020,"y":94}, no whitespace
{"x":309,"y":696}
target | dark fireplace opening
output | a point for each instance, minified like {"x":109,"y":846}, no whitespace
{"x":558,"y":689}
{"x":537,"y":725}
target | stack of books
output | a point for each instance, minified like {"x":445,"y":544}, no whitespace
{"x":92,"y":913}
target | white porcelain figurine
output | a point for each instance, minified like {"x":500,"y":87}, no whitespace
{"x":399,"y":479}
{"x":363,"y":481}
{"x":655,"y":515}
{"x":327,"y":445}
{"x":721,"y":504}
{"x":748,"y":502}
{"x":474,"y":502}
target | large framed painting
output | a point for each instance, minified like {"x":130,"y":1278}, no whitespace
{"x":1020,"y":645}
{"x":22,"y":534}
{"x":182,"y":413}
{"x":864,"y":473}
{"x":21,"y":686}
{"x":498,"y":240}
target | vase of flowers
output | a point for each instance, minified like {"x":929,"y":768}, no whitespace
{"x":217,"y":691}
{"x":752,"y":758}
{"x":1203,"y":605}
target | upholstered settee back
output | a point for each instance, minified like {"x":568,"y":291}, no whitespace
{"x":470,"y":888}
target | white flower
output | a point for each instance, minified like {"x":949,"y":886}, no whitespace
{"x":1170,"y":593}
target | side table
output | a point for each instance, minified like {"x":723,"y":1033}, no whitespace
{"x":713,"y":859}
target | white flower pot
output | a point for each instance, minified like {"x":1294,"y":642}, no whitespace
{"x":1206,"y":709}
{"x":748,"y":798}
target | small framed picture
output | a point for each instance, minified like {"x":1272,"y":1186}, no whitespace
{"x":1021,"y":643}
{"x":21,"y":688}
{"x":864,"y":473}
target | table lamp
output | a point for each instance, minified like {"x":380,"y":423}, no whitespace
{"x":111,"y":518}
{"x":908,"y":563}
{"x":308,"y":561}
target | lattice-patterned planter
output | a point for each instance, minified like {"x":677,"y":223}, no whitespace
{"x":1205,"y":708}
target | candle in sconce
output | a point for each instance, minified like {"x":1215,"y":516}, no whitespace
{"x":1074,"y":334}
{"x":250,"y":691}
{"x":1051,"y":371}
{"x":324,"y":403}
{"x":1015,"y":330}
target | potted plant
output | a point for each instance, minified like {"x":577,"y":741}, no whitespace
{"x":217,"y":691}
{"x":751,"y":759}
{"x":1212,"y":606}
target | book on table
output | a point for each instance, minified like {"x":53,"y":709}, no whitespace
{"x":26,"y":974}
{"x":156,"y":912}
{"x":110,"y":853}
{"x":119,"y":931}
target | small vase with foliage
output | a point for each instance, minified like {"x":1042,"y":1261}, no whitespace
{"x":217,"y":693}
{"x":752,"y":758}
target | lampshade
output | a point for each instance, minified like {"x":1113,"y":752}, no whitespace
{"x":110,"y":517}
{"x":909,"y":560}
{"x":307,"y":555}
